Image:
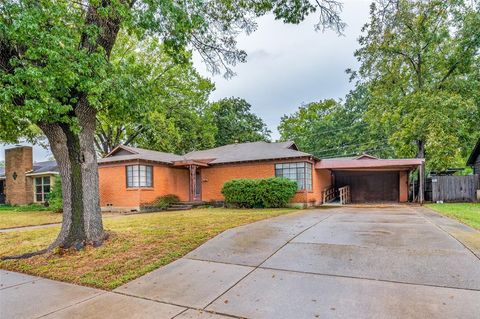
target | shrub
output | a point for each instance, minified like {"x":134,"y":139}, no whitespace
{"x":265,"y":192}
{"x":164,"y":201}
{"x":241,"y":193}
{"x":55,"y":201}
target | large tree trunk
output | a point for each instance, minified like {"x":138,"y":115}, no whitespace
{"x":77,"y":163}
{"x":89,"y":167}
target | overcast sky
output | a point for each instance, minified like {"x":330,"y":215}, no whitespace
{"x":287,"y":65}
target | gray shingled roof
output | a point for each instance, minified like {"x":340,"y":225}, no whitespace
{"x":38,"y":168}
{"x":43,"y":167}
{"x":242,"y":152}
{"x":141,"y":154}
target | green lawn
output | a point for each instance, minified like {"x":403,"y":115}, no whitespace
{"x":467,"y":213}
{"x":138,"y":244}
{"x":19,"y":216}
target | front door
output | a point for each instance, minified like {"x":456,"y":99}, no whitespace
{"x":198,"y":185}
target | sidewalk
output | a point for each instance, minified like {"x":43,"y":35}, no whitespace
{"x":24,"y":296}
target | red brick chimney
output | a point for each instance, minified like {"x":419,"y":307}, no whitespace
{"x":18,"y":187}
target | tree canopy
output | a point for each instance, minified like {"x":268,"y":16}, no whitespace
{"x":331,"y":128}
{"x":420,"y":62}
{"x":165,"y":101}
{"x":235,"y":123}
{"x":56,"y":69}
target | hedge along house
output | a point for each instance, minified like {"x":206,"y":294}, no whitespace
{"x":132,"y":177}
{"x":24,"y":182}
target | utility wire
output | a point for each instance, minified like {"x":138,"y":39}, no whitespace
{"x":343,"y":128}
{"x":333,"y":155}
{"x":348,"y":145}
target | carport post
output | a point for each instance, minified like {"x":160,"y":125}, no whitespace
{"x":421,"y":182}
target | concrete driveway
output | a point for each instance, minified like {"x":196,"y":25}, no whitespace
{"x":397,"y":262}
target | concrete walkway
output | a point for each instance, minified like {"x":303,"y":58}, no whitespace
{"x":339,"y":263}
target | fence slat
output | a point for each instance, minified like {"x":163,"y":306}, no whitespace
{"x":455,"y":188}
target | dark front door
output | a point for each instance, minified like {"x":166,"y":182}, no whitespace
{"x":198,"y":185}
{"x":370,"y":187}
{"x":2,"y":192}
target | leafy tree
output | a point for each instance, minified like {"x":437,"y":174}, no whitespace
{"x":235,"y":123}
{"x":2,"y":163}
{"x":55,"y":68}
{"x":170,"y":98}
{"x":420,"y":60}
{"x":55,"y":202}
{"x":329,"y":128}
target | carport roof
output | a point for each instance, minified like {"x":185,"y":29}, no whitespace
{"x":357,"y":163}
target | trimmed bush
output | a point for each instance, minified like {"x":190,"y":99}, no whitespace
{"x":264,"y":192}
{"x":164,"y":201}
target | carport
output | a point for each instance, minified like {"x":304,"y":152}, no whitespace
{"x":369,"y":179}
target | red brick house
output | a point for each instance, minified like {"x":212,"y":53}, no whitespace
{"x":131,"y":177}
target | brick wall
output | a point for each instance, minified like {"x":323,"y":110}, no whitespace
{"x":169,"y":180}
{"x":322,"y":178}
{"x":214,"y":177}
{"x":18,"y":161}
{"x":114,"y":191}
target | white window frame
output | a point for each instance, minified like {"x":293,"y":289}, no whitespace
{"x":42,"y":184}
{"x":139,"y":176}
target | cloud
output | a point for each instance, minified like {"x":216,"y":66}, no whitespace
{"x":292,"y":64}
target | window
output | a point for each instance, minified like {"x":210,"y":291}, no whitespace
{"x":298,"y":172}
{"x":42,"y":188}
{"x":139,"y":176}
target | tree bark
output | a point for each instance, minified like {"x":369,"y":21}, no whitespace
{"x":420,"y":149}
{"x":76,"y":160}
{"x":91,"y":204}
{"x":421,"y":171}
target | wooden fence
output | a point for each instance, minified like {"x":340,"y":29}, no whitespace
{"x":455,"y":188}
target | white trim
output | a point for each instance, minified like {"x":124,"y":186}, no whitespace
{"x":42,"y":173}
{"x":42,"y":185}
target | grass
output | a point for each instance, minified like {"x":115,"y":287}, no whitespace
{"x":19,"y":216}
{"x":138,"y":244}
{"x":24,"y":208}
{"x":467,"y":213}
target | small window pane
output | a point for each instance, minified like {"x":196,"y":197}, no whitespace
{"x":299,"y":172}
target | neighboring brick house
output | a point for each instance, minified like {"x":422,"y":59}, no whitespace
{"x":474,"y":158}
{"x":24,"y":182}
{"x":130,"y":177}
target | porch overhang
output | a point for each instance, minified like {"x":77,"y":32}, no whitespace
{"x":370,"y":164}
{"x":188,"y":163}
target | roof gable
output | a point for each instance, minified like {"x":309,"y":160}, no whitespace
{"x":244,"y":152}
{"x":288,"y":144}
{"x":121,"y":150}
{"x":129,"y":153}
{"x":474,"y":155}
{"x":366,"y":156}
